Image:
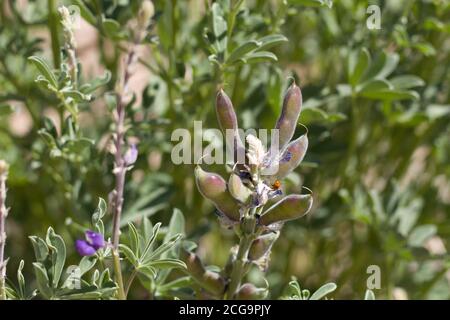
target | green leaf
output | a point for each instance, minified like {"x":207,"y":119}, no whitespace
{"x":40,"y":248}
{"x":167,"y":264}
{"x":219,"y":27}
{"x":164,"y":247}
{"x":129,"y":254}
{"x":150,"y":242}
{"x":270,"y":41}
{"x":373,"y":85}
{"x":323,"y":291}
{"x":260,"y":56}
{"x":42,"y":280}
{"x":313,"y":3}
{"x":133,"y":235}
{"x":45,"y":70}
{"x":100,"y":211}
{"x":76,"y":95}
{"x":112,"y":28}
{"x":359,"y":66}
{"x":406,"y":82}
{"x":242,"y":50}
{"x":96,"y":83}
{"x":21,"y":278}
{"x":85,"y":12}
{"x":86,"y":264}
{"x":390,"y":63}
{"x":391,"y":95}
{"x":420,"y":234}
{"x":57,"y":246}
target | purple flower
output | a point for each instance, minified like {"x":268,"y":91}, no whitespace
{"x":96,"y":240}
{"x":84,"y":248}
{"x":93,"y":242}
{"x":131,"y":155}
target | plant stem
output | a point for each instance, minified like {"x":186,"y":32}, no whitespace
{"x":3,"y":215}
{"x":130,"y":281}
{"x":238,"y":270}
{"x":53,"y":25}
{"x":118,"y":273}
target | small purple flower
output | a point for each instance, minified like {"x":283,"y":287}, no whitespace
{"x":93,"y":242}
{"x":96,"y":240}
{"x":84,"y":248}
{"x":131,"y":155}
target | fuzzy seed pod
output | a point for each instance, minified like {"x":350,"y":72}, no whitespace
{"x":208,"y":280}
{"x":214,"y":188}
{"x":249,"y":292}
{"x":238,"y":190}
{"x":289,"y":208}
{"x":291,"y":157}
{"x":226,"y":116}
{"x":287,"y":122}
{"x":262,"y":245}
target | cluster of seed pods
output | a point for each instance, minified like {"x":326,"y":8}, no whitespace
{"x":247,"y":188}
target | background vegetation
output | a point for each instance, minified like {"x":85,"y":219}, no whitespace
{"x":376,"y":103}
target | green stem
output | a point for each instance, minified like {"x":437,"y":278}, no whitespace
{"x":118,"y":275}
{"x":238,"y":269}
{"x":130,"y":281}
{"x":53,"y":26}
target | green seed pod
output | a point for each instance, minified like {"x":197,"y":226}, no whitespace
{"x":237,"y":189}
{"x":287,"y":122}
{"x":214,"y":188}
{"x":289,"y":208}
{"x":296,"y":151}
{"x":249,"y":292}
{"x":208,"y":280}
{"x":227,"y":119}
{"x":262,"y":245}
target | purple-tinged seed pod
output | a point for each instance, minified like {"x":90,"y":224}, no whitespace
{"x":262,"y":245}
{"x":208,"y":280}
{"x":287,"y":122}
{"x":291,"y":157}
{"x":226,"y":116}
{"x":249,"y":292}
{"x":214,"y":188}
{"x":289,"y":208}
{"x":237,"y":189}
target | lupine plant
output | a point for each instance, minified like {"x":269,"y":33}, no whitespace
{"x":93,"y":207}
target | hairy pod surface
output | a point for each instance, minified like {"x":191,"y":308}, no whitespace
{"x":296,"y":151}
{"x":287,"y":122}
{"x":262,"y":245}
{"x":214,"y":188}
{"x":290,"y":207}
{"x":237,"y":189}
{"x":250,"y":292}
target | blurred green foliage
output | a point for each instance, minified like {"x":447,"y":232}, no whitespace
{"x":376,"y":103}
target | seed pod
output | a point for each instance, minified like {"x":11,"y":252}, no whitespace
{"x":237,"y":189}
{"x":287,"y":122}
{"x":210,"y":281}
{"x":262,"y":245}
{"x":292,"y":157}
{"x":249,"y":292}
{"x":289,"y":208}
{"x":214,"y":188}
{"x":227,"y":119}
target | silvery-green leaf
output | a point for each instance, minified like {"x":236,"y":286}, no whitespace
{"x":323,"y":291}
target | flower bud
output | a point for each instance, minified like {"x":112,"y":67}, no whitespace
{"x":287,"y":122}
{"x":292,"y":157}
{"x":227,"y":119}
{"x":262,"y":245}
{"x":145,"y":13}
{"x":289,"y":208}
{"x":237,"y":189}
{"x":249,"y":292}
{"x":214,"y":188}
